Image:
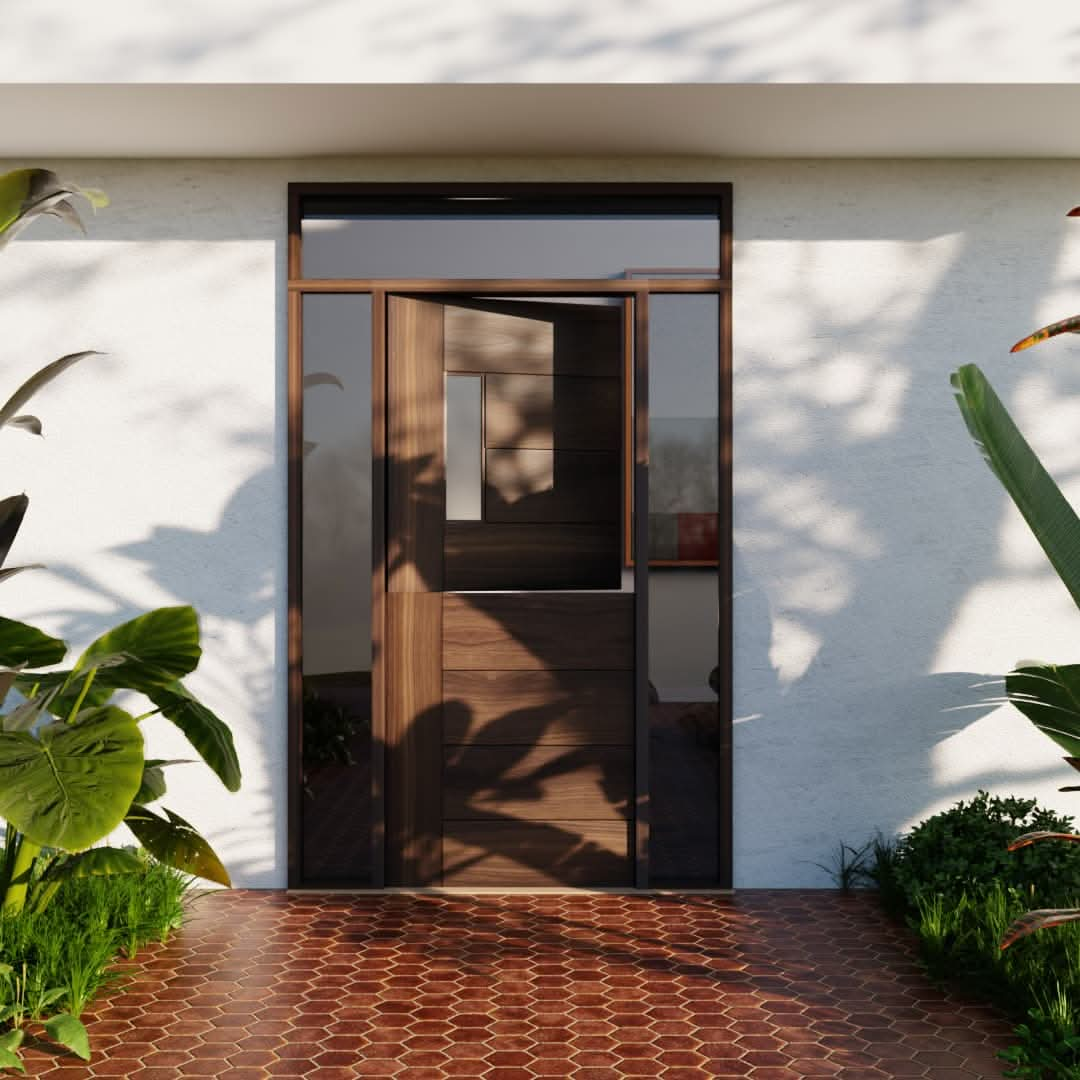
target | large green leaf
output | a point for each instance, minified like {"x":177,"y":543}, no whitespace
{"x":10,"y":1041}
{"x":207,"y":734}
{"x":72,"y":785}
{"x":148,"y":652}
{"x":69,"y":1033}
{"x":1038,"y":498}
{"x":1049,"y":696}
{"x":23,"y":644}
{"x":10,"y":409}
{"x":95,"y":862}
{"x":173,"y":841}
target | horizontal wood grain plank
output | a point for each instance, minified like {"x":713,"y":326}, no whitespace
{"x":530,"y":631}
{"x":487,"y":555}
{"x":534,"y":854}
{"x":538,"y":708}
{"x":537,"y":783}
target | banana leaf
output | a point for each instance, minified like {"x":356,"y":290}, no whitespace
{"x":1044,"y":333}
{"x":1032,"y":921}
{"x":1038,"y":498}
{"x":27,"y":194}
{"x":1049,"y":696}
{"x":9,"y":411}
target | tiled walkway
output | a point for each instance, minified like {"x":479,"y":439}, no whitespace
{"x":767,"y":985}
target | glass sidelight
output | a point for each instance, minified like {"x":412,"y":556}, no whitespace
{"x":684,"y":590}
{"x":336,"y":755}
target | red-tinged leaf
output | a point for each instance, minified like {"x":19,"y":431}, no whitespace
{"x":1032,"y":921}
{"x":1074,"y":762}
{"x":1074,"y":212}
{"x":1066,"y":326}
{"x":1035,"y":837}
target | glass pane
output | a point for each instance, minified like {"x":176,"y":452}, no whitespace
{"x":684,"y":747}
{"x":336,"y":757}
{"x":464,"y":450}
{"x":487,"y":245}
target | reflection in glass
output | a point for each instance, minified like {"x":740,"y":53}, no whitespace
{"x":507,"y":245}
{"x":336,"y":756}
{"x":684,"y":731}
{"x":464,"y":449}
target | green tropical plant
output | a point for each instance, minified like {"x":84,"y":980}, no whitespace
{"x":72,"y":762}
{"x":1047,"y":694}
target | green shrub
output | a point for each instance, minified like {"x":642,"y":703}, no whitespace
{"x":57,"y":960}
{"x":963,"y":852}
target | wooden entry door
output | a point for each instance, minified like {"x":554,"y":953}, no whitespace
{"x":509,"y":638}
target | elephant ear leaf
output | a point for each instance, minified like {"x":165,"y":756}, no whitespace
{"x":207,"y":734}
{"x":95,"y":862}
{"x":72,"y":785}
{"x":1047,"y":512}
{"x":21,"y":644}
{"x":1049,"y":696}
{"x":69,"y":1033}
{"x":173,"y":841}
{"x":154,"y":649}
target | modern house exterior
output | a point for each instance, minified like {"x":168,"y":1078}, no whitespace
{"x":547,"y":411}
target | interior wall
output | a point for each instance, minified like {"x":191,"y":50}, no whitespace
{"x":881,"y":575}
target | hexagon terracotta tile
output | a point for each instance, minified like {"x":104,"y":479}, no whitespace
{"x":763,"y":986}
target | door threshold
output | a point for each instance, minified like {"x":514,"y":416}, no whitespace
{"x":497,"y":890}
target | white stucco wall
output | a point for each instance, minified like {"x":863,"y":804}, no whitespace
{"x":880,"y":571}
{"x":558,"y":41}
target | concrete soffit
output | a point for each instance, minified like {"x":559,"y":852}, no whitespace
{"x":762,"y":120}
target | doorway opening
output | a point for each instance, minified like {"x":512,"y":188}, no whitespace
{"x":488,"y":687}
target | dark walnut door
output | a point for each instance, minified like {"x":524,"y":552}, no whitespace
{"x":509,"y":643}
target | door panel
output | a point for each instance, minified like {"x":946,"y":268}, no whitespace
{"x":509,"y":712}
{"x":551,"y":486}
{"x":530,"y":555}
{"x":537,"y":708}
{"x":536,"y":783}
{"x":413,"y":737}
{"x":416,"y":486}
{"x":507,"y":631}
{"x":540,"y":412}
{"x":533,"y":854}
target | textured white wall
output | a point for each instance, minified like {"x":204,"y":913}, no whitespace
{"x":880,"y":571}
{"x":554,"y":41}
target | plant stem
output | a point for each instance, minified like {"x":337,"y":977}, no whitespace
{"x":82,"y":695}
{"x":15,"y":894}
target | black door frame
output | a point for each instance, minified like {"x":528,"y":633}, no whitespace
{"x":636,"y":288}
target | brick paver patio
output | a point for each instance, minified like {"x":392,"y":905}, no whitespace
{"x":764,"y":985}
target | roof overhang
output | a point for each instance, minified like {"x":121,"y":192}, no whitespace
{"x":309,"y":120}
